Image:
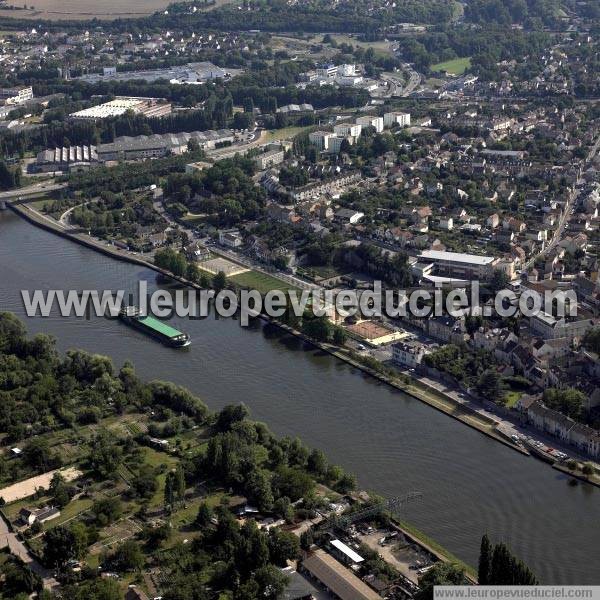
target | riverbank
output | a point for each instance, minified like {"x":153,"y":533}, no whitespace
{"x":591,"y":479}
{"x":394,"y":443}
{"x":416,"y":389}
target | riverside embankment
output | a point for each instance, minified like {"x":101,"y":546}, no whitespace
{"x":416,"y":389}
{"x":393,"y":442}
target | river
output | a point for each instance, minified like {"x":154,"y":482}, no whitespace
{"x":393,"y":443}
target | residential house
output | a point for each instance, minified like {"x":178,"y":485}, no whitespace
{"x":230,"y":238}
{"x":409,"y":354}
{"x":38,"y":515}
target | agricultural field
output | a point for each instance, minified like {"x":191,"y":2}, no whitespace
{"x":88,"y":9}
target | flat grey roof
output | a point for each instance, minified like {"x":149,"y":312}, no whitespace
{"x":472,"y":259}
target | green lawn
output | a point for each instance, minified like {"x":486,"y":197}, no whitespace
{"x":512,"y":398}
{"x":454,"y":67}
{"x":287,"y":133}
{"x":70,"y":511}
{"x":192,"y":219}
{"x":260,"y":281}
{"x":39,"y":204}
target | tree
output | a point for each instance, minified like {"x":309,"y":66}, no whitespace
{"x":317,"y":463}
{"x":169,"y":493}
{"x":62,"y":544}
{"x":293,"y":483}
{"x":145,"y":483}
{"x":37,"y":454}
{"x":19,"y":579}
{"x":192,"y":272}
{"x":345,"y":484}
{"x":306,"y":539}
{"x":283,"y":507}
{"x":127,"y":557}
{"x":283,"y":546}
{"x":107,"y":510}
{"x":440,"y":574}
{"x":204,"y":516}
{"x":230,"y":414}
{"x":339,"y":336}
{"x":105,"y":456}
{"x":568,"y":401}
{"x":259,"y":490}
{"x":96,"y":589}
{"x":506,"y":569}
{"x":497,"y":281}
{"x":472,"y":324}
{"x":592,"y":340}
{"x":588,"y":469}
{"x":489,"y":385}
{"x":59,"y":490}
{"x":193,"y":145}
{"x":318,"y":328}
{"x":271,"y":582}
{"x":485,"y":561}
{"x":219,"y":281}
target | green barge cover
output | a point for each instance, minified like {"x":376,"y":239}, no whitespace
{"x":159,"y":326}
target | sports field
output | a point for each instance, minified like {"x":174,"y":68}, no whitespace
{"x":454,"y":67}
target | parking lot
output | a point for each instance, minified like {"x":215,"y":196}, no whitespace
{"x":399,"y":552}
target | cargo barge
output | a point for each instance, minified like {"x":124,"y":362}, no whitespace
{"x":153,"y":327}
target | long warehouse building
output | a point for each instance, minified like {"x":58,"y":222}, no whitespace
{"x":129,"y":148}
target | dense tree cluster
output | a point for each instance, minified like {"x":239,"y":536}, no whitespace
{"x":485,"y":47}
{"x":10,"y":177}
{"x":529,"y":12}
{"x":225,"y":192}
{"x":42,"y":392}
{"x":467,"y":366}
{"x":498,"y":566}
{"x":568,"y":401}
{"x":128,"y":176}
{"x":393,"y":271}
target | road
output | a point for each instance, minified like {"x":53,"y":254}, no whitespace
{"x":397,"y":87}
{"x":9,"y":540}
{"x":31,"y":191}
{"x":568,"y":212}
{"x":64,"y":218}
{"x":255,"y":139}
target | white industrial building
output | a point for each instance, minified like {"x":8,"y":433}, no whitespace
{"x":191,"y":73}
{"x":458,"y":265}
{"x":149,"y":107}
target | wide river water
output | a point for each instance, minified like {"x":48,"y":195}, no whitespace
{"x":393,"y":443}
